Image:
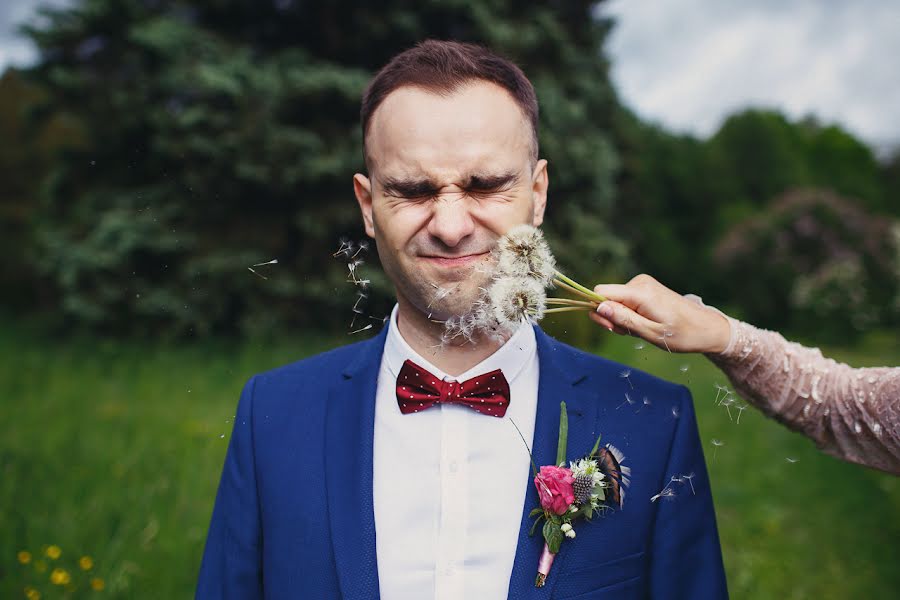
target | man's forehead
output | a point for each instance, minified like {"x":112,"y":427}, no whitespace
{"x":418,"y":132}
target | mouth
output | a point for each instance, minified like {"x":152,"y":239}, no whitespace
{"x":463,"y":260}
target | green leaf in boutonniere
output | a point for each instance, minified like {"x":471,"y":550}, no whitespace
{"x":563,"y":435}
{"x":535,"y":524}
{"x":553,"y":535}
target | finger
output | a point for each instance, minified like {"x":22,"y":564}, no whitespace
{"x":606,"y":323}
{"x":629,"y":295}
{"x":623,"y":317}
{"x":601,"y":321}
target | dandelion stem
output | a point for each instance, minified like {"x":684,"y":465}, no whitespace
{"x":570,"y":302}
{"x":591,"y":294}
{"x":574,"y":290}
{"x":565,"y":309}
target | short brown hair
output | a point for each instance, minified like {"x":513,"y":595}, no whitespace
{"x":442,"y":67}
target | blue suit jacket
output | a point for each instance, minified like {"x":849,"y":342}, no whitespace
{"x":293,"y":516}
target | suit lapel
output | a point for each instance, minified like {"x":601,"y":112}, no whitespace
{"x":349,"y":436}
{"x":559,"y":379}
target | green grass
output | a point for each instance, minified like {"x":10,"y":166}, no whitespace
{"x":113,"y":450}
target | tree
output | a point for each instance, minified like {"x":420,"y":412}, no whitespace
{"x":30,"y":144}
{"x":223,"y":133}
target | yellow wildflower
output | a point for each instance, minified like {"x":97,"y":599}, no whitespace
{"x":32,"y":594}
{"x":24,"y":557}
{"x":60,"y":577}
{"x":85,"y":562}
{"x":53,"y":552}
{"x":97,"y":584}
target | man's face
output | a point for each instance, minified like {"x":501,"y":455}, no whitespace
{"x":449,"y":175}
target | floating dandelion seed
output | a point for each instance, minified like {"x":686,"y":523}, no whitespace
{"x":628,"y":401}
{"x":366,"y":328}
{"x":666,"y":334}
{"x":791,"y":460}
{"x":363,"y":247}
{"x":667,"y":491}
{"x":345,"y":249}
{"x":716,"y":445}
{"x":684,"y":368}
{"x":626,"y":374}
{"x":740,"y":410}
{"x":726,"y":402}
{"x":274,"y":261}
{"x":352,"y":266}
{"x":676,"y":412}
{"x":639,"y":346}
{"x":440,"y":293}
{"x":690,"y":478}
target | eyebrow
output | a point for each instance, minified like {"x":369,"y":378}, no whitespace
{"x":413,"y":188}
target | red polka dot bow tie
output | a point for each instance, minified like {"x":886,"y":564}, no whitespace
{"x":417,"y":389}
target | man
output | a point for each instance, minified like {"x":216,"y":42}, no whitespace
{"x":336,"y":486}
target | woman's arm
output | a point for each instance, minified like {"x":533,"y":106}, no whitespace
{"x":853,"y":414}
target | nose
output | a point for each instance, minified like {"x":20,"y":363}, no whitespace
{"x":451,"y":222}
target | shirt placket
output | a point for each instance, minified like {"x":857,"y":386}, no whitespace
{"x":453,"y":519}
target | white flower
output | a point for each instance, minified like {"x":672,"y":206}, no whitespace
{"x":513,"y":300}
{"x":587,"y":467}
{"x":523,"y":252}
{"x":566,"y":527}
{"x":570,"y":534}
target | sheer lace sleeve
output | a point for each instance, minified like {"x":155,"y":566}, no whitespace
{"x":853,"y":414}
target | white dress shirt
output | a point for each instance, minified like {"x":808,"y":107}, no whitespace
{"x":449,"y":483}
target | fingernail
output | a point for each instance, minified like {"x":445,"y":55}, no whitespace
{"x":605,"y":310}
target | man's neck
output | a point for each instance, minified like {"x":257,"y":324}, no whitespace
{"x":425,"y":337}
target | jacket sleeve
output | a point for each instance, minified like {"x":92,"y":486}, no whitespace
{"x":686,"y":560}
{"x":232,"y":559}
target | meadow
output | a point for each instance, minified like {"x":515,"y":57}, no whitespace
{"x":112,"y":450}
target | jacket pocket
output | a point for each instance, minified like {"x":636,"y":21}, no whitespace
{"x":625,"y":572}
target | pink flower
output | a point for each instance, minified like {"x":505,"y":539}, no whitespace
{"x":554,"y":486}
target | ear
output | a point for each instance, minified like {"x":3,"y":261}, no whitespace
{"x":539,"y":184}
{"x":362,"y":187}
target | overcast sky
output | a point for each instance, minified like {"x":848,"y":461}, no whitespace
{"x":688,"y":63}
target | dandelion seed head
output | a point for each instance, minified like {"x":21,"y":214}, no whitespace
{"x":523,"y":252}
{"x":513,"y":300}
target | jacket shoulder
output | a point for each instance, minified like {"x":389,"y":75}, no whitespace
{"x":601,"y":368}
{"x":318,"y":366}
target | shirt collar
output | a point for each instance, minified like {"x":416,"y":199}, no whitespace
{"x":511,"y":357}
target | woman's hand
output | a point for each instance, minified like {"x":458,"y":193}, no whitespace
{"x":647,"y":309}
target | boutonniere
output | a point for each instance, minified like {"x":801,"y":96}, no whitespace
{"x":592,"y":484}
